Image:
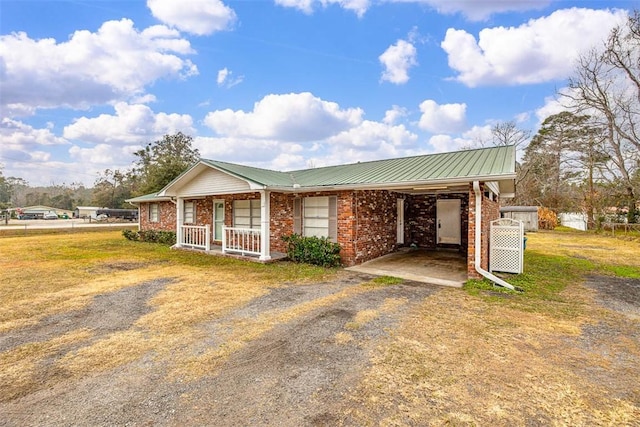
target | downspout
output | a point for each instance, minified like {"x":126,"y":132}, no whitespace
{"x":478,"y":241}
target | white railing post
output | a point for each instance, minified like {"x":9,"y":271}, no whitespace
{"x":265,"y":212}
{"x":224,"y":239}
{"x":207,"y":237}
{"x":179,"y":216}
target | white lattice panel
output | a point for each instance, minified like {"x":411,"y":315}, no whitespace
{"x":506,"y":246}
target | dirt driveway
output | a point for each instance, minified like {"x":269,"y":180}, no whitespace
{"x":294,"y":374}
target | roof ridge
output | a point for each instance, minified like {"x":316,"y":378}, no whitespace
{"x":405,"y":158}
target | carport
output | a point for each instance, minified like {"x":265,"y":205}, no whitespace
{"x":439,"y":267}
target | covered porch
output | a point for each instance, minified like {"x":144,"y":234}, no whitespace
{"x":244,"y":243}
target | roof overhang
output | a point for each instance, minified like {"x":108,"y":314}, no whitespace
{"x":147,"y":199}
{"x":502,"y":185}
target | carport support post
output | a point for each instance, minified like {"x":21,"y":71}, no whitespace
{"x":265,"y":219}
{"x":179,"y":217}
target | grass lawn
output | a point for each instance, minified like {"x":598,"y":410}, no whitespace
{"x":498,"y":357}
{"x":551,"y":355}
{"x":46,"y":274}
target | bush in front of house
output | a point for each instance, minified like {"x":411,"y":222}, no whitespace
{"x":151,"y":236}
{"x":312,"y":250}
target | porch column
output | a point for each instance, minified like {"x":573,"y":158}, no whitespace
{"x":265,"y":221}
{"x":179,"y":221}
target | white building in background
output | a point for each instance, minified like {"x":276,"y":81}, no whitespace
{"x":85,"y":212}
{"x":575,"y":220}
{"x":527,"y":214}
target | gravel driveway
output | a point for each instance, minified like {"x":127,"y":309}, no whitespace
{"x":295,"y":374}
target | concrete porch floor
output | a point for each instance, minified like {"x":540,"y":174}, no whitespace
{"x":446,"y":268}
{"x":216,"y":250}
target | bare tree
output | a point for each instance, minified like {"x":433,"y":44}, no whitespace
{"x":606,"y":86}
{"x":508,"y":133}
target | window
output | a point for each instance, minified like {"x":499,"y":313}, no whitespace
{"x":154,"y":212}
{"x":246,"y":213}
{"x":189,"y":212}
{"x":316,"y":216}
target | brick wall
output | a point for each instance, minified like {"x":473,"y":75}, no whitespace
{"x":420,"y":220}
{"x":167,"y":217}
{"x":490,"y":212}
{"x":366,"y":219}
{"x":374,"y":230}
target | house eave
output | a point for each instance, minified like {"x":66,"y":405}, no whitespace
{"x":405,"y":186}
{"x":170,"y":189}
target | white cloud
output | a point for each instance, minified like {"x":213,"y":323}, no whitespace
{"x":479,"y":135}
{"x":397,"y":60}
{"x":131,"y":124}
{"x":359,"y":7}
{"x":200,"y":17}
{"x":18,"y":135}
{"x":556,"y":104}
{"x":305,"y":6}
{"x":222,"y":76}
{"x":297,"y":117}
{"x":476,"y":10}
{"x":99,"y":156}
{"x":445,"y":118}
{"x":117,"y":62}
{"x":393,"y":115}
{"x":26,"y":152}
{"x":539,"y":51}
{"x":369,"y":136}
{"x":257,"y":152}
{"x":225,"y":78}
{"x":366,"y":141}
{"x":446,"y":143}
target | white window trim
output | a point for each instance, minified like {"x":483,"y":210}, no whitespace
{"x":254,"y":220}
{"x":300,"y":217}
{"x":157,"y":212}
{"x":189,"y":212}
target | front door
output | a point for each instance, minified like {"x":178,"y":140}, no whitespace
{"x":218,"y":219}
{"x":400,"y":223}
{"x":448,"y":221}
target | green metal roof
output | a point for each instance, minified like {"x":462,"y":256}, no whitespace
{"x":467,"y":164}
{"x":147,"y":198}
{"x":489,"y":164}
{"x":266,"y":177}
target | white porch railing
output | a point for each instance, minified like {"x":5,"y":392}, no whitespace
{"x":196,"y":236}
{"x":245,"y":241}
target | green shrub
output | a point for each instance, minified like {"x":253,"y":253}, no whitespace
{"x":131,"y":235}
{"x":151,"y":236}
{"x":312,"y":250}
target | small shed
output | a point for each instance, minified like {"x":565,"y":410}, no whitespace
{"x":527,"y":214}
{"x":85,"y":212}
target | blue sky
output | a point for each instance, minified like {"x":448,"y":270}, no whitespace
{"x":281,"y":84}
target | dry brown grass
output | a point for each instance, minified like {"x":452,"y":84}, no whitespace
{"x":597,"y":248}
{"x":483,"y":365}
{"x":472,"y":360}
{"x":242,"y":332}
{"x":53,"y":274}
{"x":21,"y":365}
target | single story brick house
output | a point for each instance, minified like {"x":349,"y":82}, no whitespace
{"x":435,"y":201}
